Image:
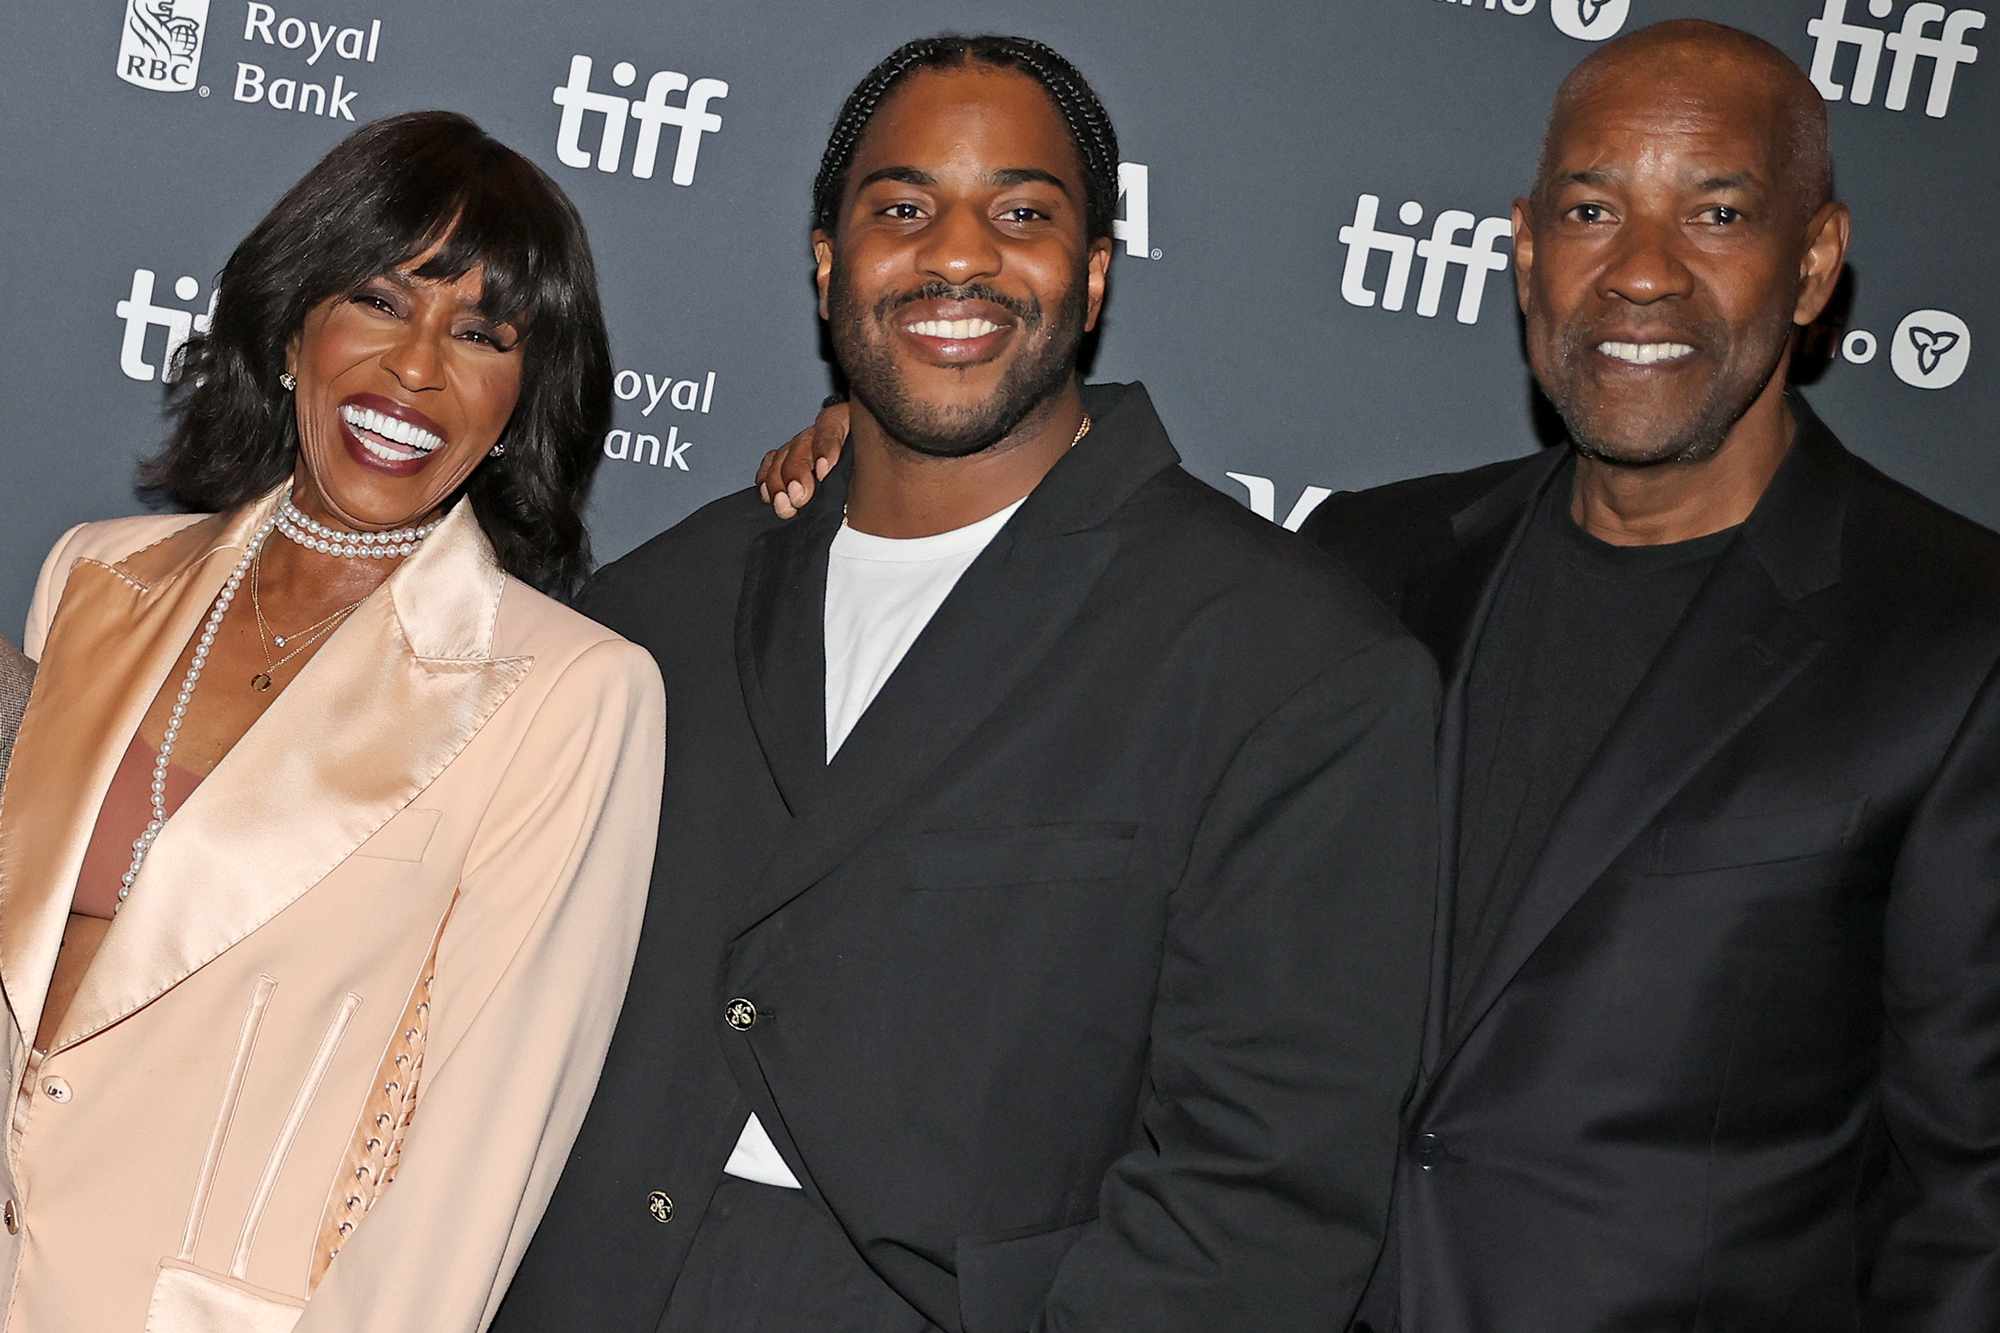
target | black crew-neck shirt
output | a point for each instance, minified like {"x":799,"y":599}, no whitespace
{"x":1574,"y":626}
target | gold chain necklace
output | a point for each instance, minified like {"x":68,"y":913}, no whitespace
{"x":268,"y":638}
{"x":1082,"y":429}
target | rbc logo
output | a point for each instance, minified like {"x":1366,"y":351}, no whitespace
{"x":1931,"y":349}
{"x":141,"y":316}
{"x":652,"y":111}
{"x":160,"y":45}
{"x":1441,"y":251}
{"x":1913,"y":41}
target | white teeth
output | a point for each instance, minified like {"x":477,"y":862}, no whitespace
{"x":390,"y":429}
{"x":958,"y":330}
{"x":389,"y":454}
{"x":1644,"y":354}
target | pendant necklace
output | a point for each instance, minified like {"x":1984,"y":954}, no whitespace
{"x":267,"y":638}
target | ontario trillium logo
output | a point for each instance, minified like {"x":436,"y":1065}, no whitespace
{"x":1931,"y":349}
{"x":1931,"y":345}
{"x":160,"y":45}
{"x":1589,"y":20}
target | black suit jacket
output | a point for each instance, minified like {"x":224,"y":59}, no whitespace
{"x":1087,"y":978}
{"x":1734,"y":1063}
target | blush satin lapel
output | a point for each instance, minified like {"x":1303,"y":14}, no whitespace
{"x":1740,"y":643}
{"x":109,"y":627}
{"x":391,"y":699}
{"x":994,"y":629}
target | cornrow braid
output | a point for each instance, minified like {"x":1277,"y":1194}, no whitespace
{"x":1088,"y":123}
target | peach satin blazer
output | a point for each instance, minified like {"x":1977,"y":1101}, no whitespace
{"x":360,"y":997}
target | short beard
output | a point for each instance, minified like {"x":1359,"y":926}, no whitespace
{"x":1046,"y":363}
{"x":1699,"y":438}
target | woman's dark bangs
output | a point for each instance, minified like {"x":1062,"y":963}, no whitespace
{"x":492,"y":227}
{"x":380,"y":229}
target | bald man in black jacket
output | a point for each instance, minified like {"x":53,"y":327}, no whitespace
{"x":1713,"y":1023}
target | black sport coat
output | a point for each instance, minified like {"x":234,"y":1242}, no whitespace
{"x":1734,"y":1062}
{"x":1083,"y":987}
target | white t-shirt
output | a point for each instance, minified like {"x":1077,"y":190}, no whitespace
{"x":880,"y":593}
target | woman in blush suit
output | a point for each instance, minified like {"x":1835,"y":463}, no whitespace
{"x":325,"y":847}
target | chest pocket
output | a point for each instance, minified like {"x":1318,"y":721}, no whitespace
{"x":1749,"y":840}
{"x":956,"y":859}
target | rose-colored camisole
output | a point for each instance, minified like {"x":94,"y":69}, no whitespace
{"x":123,"y":816}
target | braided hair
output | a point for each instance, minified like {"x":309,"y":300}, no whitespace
{"x":1088,"y":123}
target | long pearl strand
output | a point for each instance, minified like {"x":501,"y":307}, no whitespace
{"x":316,"y":536}
{"x":143,"y":844}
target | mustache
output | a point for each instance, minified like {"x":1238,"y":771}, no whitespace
{"x":1028,"y":312}
{"x":1706,"y":333}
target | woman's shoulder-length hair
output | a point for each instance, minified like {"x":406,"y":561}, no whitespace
{"x":397,"y":188}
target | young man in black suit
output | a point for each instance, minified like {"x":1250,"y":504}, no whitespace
{"x":1714,"y":1038}
{"x":1047,"y":868}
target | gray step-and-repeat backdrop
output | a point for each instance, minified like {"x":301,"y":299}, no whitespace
{"x":1312,"y":252}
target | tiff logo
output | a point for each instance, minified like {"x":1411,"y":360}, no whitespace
{"x":141,"y":316}
{"x":653,"y":111}
{"x":1134,"y":200}
{"x":1264,"y":500}
{"x":1443,"y":250}
{"x":1947,"y":49}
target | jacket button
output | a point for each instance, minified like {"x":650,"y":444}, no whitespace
{"x":56,"y":1090}
{"x":740,"y":1014}
{"x":660,"y":1206}
{"x":1429,"y":1151}
{"x":12,"y":1217}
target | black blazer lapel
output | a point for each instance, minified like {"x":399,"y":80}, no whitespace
{"x":1743,"y":640}
{"x":983,"y":645}
{"x":1448,"y":611}
{"x":781,"y":645}
{"x":1448,"y":606}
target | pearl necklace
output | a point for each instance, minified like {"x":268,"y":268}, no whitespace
{"x":316,"y":536}
{"x":143,"y":844}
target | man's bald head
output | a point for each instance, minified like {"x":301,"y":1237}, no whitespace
{"x":1684,"y":56}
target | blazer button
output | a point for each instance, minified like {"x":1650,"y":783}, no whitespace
{"x":1429,"y":1151}
{"x":56,"y":1090}
{"x":740,"y":1014}
{"x":12,"y":1217}
{"x":660,"y":1206}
